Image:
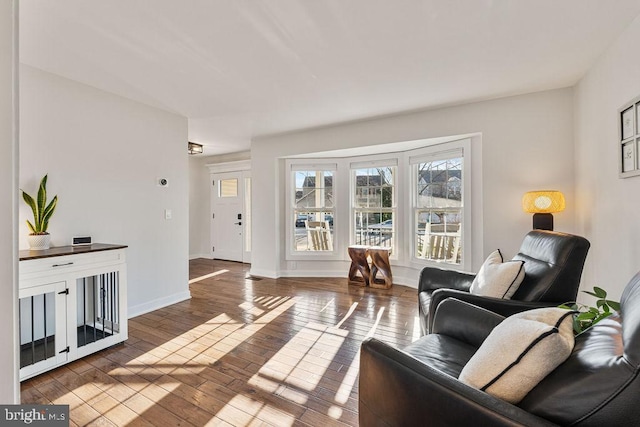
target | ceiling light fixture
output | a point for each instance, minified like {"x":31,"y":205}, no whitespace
{"x":194,"y":148}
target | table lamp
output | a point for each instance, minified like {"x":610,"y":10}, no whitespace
{"x":542,"y":204}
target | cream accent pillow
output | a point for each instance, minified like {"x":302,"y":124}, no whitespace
{"x":497,"y":278}
{"x":520,"y":352}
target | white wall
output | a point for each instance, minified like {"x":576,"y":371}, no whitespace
{"x":200,"y":200}
{"x":526,"y":145}
{"x":608,"y":207}
{"x":104,"y":154}
{"x":9,"y":388}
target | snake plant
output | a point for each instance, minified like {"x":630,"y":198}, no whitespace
{"x":42,"y":211}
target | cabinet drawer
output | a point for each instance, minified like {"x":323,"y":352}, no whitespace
{"x":41,"y":267}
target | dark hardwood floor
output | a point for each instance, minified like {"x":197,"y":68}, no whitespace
{"x":241,"y":352}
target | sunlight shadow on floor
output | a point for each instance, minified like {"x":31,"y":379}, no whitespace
{"x":206,"y":276}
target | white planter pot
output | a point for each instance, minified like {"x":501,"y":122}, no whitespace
{"x":39,"y":242}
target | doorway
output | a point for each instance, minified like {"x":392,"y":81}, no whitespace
{"x":231,"y":216}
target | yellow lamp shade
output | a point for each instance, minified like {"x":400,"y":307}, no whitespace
{"x":543,"y":201}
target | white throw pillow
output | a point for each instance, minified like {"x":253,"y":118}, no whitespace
{"x":520,"y":352}
{"x":497,"y":278}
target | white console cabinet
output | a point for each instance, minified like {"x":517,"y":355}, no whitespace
{"x":73,"y":302}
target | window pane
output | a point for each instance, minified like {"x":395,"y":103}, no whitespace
{"x":439,"y":210}
{"x":313,"y":211}
{"x":387,"y":197}
{"x":228,"y":188}
{"x":440,"y":183}
{"x":374,"y":228}
{"x":374,"y":187}
{"x":374,"y":206}
{"x":313,"y":230}
{"x":361,"y":197}
{"x":314,"y":189}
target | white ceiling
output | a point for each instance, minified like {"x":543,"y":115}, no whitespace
{"x":242,"y":69}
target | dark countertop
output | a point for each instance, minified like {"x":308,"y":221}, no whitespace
{"x":67,"y":250}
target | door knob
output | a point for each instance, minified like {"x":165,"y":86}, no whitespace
{"x":238,"y":223}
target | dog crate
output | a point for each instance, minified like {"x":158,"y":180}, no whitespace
{"x":71,"y":305}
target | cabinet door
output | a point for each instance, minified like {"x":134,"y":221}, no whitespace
{"x":99,"y":321}
{"x":43,"y":332}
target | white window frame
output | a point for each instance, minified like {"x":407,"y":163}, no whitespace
{"x":295,"y":165}
{"x":405,"y":248}
{"x":367,"y":162}
{"x":438,"y":152}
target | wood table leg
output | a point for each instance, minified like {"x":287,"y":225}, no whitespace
{"x":359,"y":264}
{"x":380,"y":264}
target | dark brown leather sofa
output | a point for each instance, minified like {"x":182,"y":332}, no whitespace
{"x":597,"y":385}
{"x":553,"y":264}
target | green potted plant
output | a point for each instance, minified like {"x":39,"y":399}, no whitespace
{"x":38,"y":237}
{"x":587,"y":316}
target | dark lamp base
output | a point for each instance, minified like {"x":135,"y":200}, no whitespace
{"x":543,"y":221}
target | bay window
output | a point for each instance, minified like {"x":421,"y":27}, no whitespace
{"x":415,"y":202}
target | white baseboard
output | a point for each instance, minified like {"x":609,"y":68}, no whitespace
{"x":405,"y":281}
{"x":156,"y":304}
{"x":313,"y":273}
{"x":195,"y":256}
{"x":397,"y":280}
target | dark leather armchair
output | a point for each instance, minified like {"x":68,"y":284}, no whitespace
{"x":553,"y":265}
{"x":597,"y":385}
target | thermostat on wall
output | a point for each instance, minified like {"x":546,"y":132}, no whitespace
{"x":78,"y":241}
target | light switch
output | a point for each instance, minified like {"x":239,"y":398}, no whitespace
{"x":167,"y":214}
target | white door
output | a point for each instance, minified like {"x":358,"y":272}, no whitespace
{"x":229,"y":219}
